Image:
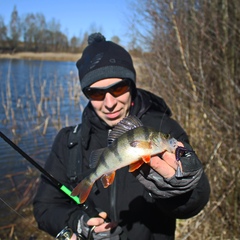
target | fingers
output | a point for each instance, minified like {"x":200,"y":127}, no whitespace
{"x":103,"y":215}
{"x":166,"y":166}
{"x":162,"y":167}
{"x":100,"y":224}
{"x":97,"y":220}
{"x":105,"y":227}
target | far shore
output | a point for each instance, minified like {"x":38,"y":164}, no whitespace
{"x":51,"y":56}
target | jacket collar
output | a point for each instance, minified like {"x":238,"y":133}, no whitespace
{"x":146,"y":100}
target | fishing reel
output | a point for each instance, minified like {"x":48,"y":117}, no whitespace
{"x":67,"y":233}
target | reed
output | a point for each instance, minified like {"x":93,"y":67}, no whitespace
{"x":43,"y":107}
{"x":40,"y":112}
{"x":7,"y":97}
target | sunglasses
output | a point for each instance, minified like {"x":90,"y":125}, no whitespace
{"x":116,"y":89}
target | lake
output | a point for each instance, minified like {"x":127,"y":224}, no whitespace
{"x":37,"y":98}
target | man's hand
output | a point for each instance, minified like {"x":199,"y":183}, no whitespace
{"x":166,"y":166}
{"x":100,"y":224}
{"x":160,"y":175}
{"x":98,"y":228}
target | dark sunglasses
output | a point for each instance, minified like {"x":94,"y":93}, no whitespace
{"x":116,"y":89}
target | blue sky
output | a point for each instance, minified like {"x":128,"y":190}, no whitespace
{"x":76,"y":16}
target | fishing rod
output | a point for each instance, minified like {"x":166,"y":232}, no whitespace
{"x":87,"y":206}
{"x":40,"y":168}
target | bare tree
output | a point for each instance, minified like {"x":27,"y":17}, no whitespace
{"x":15,"y":29}
{"x":29,"y":31}
{"x":74,"y":44}
{"x":191,"y":58}
{"x":61,"y":42}
{"x":3,"y":33}
{"x":53,"y":28}
{"x":39,"y":33}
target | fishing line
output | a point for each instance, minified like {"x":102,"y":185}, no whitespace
{"x":19,"y":214}
{"x":161,"y":120}
{"x":12,"y":208}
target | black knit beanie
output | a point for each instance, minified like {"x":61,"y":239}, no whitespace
{"x":104,"y":59}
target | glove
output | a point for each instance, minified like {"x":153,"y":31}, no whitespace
{"x":113,"y":234}
{"x":86,"y":231}
{"x":169,"y":187}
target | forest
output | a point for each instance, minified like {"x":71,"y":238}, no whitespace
{"x":188,"y":53}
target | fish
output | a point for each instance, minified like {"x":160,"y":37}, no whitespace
{"x":129,"y":143}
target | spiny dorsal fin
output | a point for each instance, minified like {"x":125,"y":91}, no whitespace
{"x":126,"y":124}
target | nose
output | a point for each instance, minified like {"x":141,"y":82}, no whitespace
{"x":109,"y":101}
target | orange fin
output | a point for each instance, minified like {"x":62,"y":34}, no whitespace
{"x":146,"y":158}
{"x":141,"y":144}
{"x":82,"y":190}
{"x":107,"y":179}
{"x":134,"y":166}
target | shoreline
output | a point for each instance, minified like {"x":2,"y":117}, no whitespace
{"x":46,"y":56}
{"x":52,"y":56}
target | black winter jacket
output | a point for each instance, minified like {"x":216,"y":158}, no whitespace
{"x":142,"y":214}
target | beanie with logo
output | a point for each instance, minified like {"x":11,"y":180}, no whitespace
{"x":104,"y":59}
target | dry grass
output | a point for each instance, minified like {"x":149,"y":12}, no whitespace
{"x":51,"y":56}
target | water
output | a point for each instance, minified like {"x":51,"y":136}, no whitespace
{"x":37,"y":98}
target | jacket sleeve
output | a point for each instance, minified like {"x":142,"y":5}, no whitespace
{"x":53,"y":210}
{"x":188,"y":204}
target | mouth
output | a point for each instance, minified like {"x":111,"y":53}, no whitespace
{"x":113,"y":115}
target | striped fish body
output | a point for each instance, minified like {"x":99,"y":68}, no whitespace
{"x":136,"y":144}
{"x":131,"y":146}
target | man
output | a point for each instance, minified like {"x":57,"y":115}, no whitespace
{"x":140,"y":205}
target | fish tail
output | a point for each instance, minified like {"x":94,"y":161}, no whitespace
{"x":82,"y":190}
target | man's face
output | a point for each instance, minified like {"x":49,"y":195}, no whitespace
{"x":112,"y":109}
